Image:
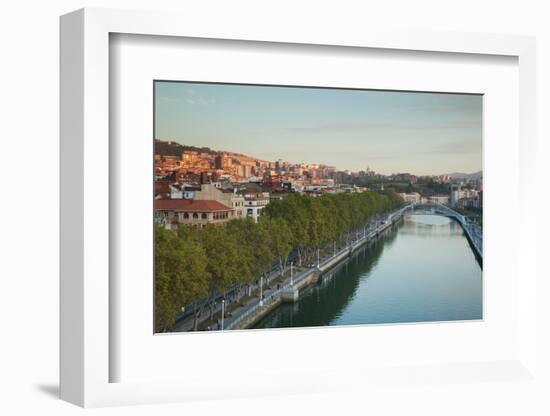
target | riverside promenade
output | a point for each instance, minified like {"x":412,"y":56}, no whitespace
{"x":186,"y":324}
{"x":256,"y":308}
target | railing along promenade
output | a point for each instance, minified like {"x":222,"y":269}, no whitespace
{"x":259,"y":308}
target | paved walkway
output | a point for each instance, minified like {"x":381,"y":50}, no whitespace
{"x":186,"y":324}
{"x":367,"y":233}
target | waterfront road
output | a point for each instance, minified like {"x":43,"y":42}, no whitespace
{"x":251,"y":303}
{"x":187,"y":323}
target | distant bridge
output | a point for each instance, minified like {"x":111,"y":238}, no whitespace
{"x":472,"y":230}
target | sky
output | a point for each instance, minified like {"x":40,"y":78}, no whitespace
{"x":387,"y":131}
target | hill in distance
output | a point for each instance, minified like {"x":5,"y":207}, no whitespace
{"x":172,"y":148}
{"x":459,"y":175}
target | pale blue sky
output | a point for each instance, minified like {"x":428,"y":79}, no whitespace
{"x":391,"y":132}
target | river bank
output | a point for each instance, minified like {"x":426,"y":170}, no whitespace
{"x":243,"y":314}
{"x":421,"y":270}
{"x":289,"y":291}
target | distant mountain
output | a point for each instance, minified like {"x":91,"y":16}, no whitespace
{"x":171,"y":148}
{"x":458,"y":175}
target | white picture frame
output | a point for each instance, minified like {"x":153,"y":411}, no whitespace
{"x":85,"y":352}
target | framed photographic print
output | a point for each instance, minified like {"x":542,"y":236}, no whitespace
{"x":291,"y":239}
{"x":268,"y":205}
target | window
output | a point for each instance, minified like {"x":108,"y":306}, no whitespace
{"x":203,"y":216}
{"x":185,"y":216}
{"x":195,"y":216}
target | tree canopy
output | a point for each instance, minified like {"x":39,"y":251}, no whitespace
{"x":193,"y":265}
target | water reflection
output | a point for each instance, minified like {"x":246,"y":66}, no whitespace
{"x":421,"y":270}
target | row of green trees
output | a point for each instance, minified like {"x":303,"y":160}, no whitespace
{"x":194,"y":265}
{"x":316,"y":222}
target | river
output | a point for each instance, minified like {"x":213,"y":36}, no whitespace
{"x":422,"y":269}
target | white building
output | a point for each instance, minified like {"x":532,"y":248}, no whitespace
{"x":254,"y":207}
{"x":439,"y":199}
{"x":412,"y":197}
{"x":227,"y":197}
{"x":457,"y":194}
{"x":179,"y":191}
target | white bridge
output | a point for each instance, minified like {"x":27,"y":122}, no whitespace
{"x":290,"y":290}
{"x":471,"y":229}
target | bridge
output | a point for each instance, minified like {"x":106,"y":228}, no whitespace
{"x":471,"y":229}
{"x":289,"y":291}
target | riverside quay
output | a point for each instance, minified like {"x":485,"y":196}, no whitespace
{"x":379,"y":276}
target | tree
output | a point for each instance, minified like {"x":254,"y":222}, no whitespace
{"x":254,"y":252}
{"x":278,"y":238}
{"x":224,"y":262}
{"x":180,"y":271}
{"x":293,"y":210}
{"x":196,"y":265}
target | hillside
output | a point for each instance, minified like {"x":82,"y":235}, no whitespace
{"x":171,"y":148}
{"x":458,"y":175}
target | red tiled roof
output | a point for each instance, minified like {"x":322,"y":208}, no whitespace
{"x":189,"y":205}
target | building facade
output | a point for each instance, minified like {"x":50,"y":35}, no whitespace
{"x":411,"y":197}
{"x":173,"y":212}
{"x":230,"y":198}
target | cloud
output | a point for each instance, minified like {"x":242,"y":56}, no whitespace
{"x":357,"y":127}
{"x":190,"y":97}
{"x":457,"y":147}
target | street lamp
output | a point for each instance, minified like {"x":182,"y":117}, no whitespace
{"x":318,"y":262}
{"x":261,"y":290}
{"x":223,"y":312}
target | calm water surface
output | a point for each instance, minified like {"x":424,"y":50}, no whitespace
{"x":421,"y":270}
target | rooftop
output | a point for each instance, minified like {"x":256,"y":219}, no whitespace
{"x":189,"y":205}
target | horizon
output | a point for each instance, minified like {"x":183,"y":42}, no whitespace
{"x":425,"y":134}
{"x":297,"y":163}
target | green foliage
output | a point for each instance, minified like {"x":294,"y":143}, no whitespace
{"x":293,"y":211}
{"x":278,"y":238}
{"x":253,"y":252}
{"x":180,"y":273}
{"x":225,"y":262}
{"x":316,"y":221}
{"x":194,"y":264}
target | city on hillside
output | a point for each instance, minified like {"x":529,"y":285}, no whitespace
{"x":200,"y":186}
